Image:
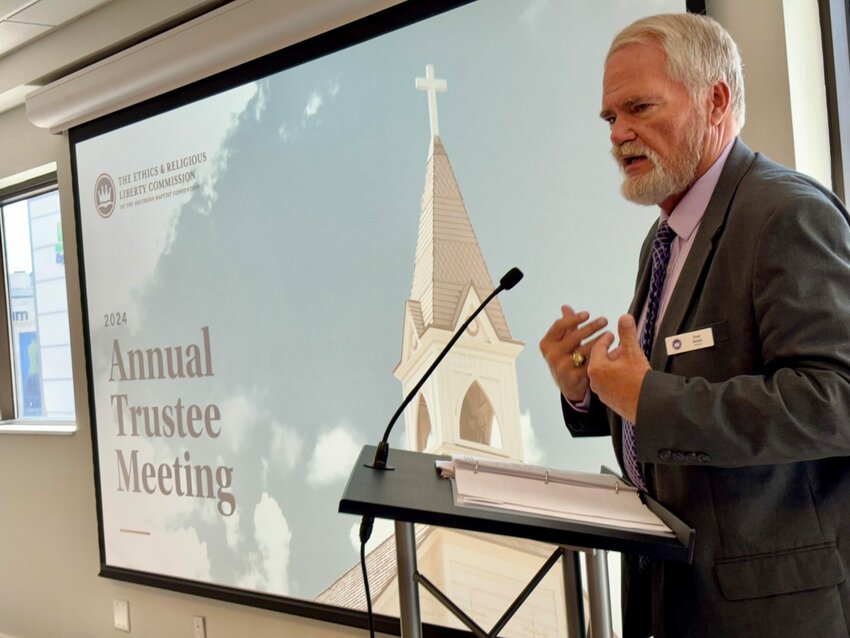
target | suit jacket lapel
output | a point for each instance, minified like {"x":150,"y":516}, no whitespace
{"x":684,"y":294}
{"x":644,"y":274}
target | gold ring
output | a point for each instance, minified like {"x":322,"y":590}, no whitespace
{"x":578,"y":359}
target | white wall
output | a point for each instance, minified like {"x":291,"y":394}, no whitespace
{"x":783,"y":77}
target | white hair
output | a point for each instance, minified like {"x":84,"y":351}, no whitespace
{"x":699,"y":53}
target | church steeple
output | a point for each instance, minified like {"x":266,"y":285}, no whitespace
{"x":471,"y":403}
{"x":448,"y":256}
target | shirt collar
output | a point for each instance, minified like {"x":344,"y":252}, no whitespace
{"x":687,"y":214}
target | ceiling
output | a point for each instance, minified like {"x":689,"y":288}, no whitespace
{"x":23,"y":20}
{"x":41,"y":40}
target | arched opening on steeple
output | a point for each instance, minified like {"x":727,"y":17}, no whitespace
{"x":423,"y":425}
{"x":478,"y":422}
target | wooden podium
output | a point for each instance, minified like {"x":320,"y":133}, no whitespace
{"x":413,"y":492}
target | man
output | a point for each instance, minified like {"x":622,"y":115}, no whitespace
{"x":738,"y":420}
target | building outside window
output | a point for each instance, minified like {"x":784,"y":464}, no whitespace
{"x":36,"y":299}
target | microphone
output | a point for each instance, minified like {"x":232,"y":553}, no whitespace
{"x":508,"y":281}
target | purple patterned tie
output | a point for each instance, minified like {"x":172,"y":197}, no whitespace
{"x":660,"y":258}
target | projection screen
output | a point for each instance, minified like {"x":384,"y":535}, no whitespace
{"x":260,"y":284}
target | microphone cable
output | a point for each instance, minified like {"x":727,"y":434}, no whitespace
{"x":365,"y":533}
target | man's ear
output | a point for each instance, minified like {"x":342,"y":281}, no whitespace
{"x":720,"y":98}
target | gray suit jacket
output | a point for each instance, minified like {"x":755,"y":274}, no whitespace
{"x":749,"y":441}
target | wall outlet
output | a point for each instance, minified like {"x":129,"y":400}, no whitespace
{"x":121,"y":615}
{"x":199,"y":627}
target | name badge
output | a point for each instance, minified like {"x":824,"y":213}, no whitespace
{"x":687,"y":341}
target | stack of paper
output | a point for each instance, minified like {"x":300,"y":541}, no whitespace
{"x":576,"y":496}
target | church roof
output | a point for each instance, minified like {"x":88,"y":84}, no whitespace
{"x":448,"y":256}
{"x":348,"y":590}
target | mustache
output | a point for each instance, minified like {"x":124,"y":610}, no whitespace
{"x":630,"y":149}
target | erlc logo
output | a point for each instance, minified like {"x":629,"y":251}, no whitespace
{"x":104,"y":195}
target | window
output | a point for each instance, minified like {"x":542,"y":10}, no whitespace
{"x":478,"y":422}
{"x":36,"y":382}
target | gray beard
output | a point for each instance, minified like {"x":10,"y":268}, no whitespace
{"x":666,"y":178}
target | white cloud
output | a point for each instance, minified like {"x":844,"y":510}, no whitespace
{"x":269,"y":569}
{"x":178,"y":552}
{"x":532,"y":12}
{"x":334,"y":456}
{"x":532,"y":452}
{"x":232,"y":533}
{"x":238,"y":417}
{"x":207,"y":510}
{"x":260,"y":103}
{"x":382,"y":530}
{"x":271,"y":530}
{"x":208,"y":181}
{"x":314,"y":103}
{"x":187,"y":554}
{"x":287,"y":445}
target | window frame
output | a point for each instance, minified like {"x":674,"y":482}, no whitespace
{"x":10,"y":422}
{"x":835,"y":36}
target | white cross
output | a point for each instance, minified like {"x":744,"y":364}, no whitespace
{"x":430,"y":84}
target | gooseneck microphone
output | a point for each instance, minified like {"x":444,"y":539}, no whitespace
{"x":508,"y":281}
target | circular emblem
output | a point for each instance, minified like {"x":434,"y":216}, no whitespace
{"x":104,"y":195}
{"x":677,"y":343}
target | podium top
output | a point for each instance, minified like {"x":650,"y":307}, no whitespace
{"x":414,"y":492}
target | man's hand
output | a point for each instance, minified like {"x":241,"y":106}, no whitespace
{"x":616,"y":376}
{"x":568,"y":335}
